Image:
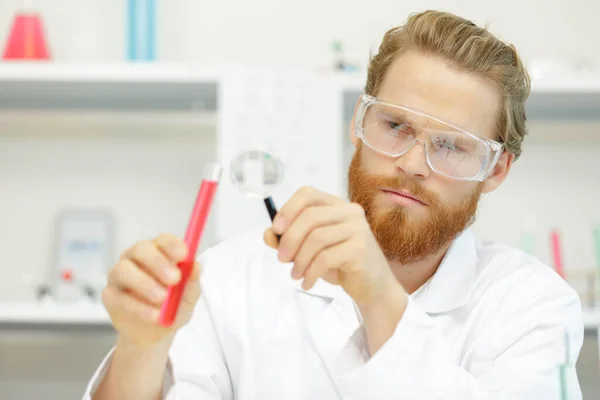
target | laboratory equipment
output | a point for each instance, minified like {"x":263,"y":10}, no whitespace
{"x":528,"y":236}
{"x":257,"y":173}
{"x":562,"y":371}
{"x":84,"y":250}
{"x":141,"y":30}
{"x":204,"y":200}
{"x":597,"y":247}
{"x":555,"y":245}
{"x":26,"y":39}
{"x":340,"y":62}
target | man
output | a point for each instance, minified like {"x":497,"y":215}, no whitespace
{"x":393,"y":296}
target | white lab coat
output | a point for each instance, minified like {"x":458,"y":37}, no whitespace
{"x":490,"y":324}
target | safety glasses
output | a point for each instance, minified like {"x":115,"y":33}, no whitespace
{"x":392,"y":130}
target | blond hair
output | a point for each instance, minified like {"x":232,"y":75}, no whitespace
{"x":466,"y":47}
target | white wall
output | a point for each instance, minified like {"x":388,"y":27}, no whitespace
{"x":299,"y":33}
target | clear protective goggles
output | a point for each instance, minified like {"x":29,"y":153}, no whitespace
{"x":392,"y":130}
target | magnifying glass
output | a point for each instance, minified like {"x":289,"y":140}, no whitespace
{"x":257,"y":173}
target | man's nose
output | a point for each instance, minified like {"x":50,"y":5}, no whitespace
{"x":414,"y":161}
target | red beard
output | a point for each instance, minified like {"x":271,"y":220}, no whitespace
{"x":404,"y":239}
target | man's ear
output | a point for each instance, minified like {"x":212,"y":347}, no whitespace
{"x":352,"y":132}
{"x":499,"y":173}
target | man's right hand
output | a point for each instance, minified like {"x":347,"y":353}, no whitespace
{"x":137,"y":286}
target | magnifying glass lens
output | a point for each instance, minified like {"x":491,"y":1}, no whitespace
{"x":256,"y":173}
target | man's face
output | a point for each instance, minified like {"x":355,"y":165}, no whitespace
{"x":409,"y":230}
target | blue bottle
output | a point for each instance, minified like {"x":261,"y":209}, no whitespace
{"x":141,"y":30}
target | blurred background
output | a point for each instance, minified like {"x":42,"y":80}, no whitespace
{"x":109,"y":110}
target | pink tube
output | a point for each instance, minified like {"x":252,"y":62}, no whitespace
{"x":556,"y":253}
{"x":204,"y":200}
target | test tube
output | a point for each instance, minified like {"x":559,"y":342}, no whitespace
{"x":204,"y":200}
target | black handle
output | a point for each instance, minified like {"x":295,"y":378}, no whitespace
{"x":272,"y":211}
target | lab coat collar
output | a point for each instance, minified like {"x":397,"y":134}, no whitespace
{"x":449,"y":288}
{"x":451,"y":285}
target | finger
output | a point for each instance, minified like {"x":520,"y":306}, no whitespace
{"x":195,"y":275}
{"x":270,"y":238}
{"x":173,"y":247}
{"x":303,"y":198}
{"x":169,"y":244}
{"x":333,"y":276}
{"x":331,"y":259}
{"x":319,"y":240}
{"x":117,"y":301}
{"x":150,"y":258}
{"x":129,"y":277}
{"x":309,"y":219}
{"x":191,"y":293}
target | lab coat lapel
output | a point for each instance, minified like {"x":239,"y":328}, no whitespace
{"x":331,"y":326}
{"x":451,"y":285}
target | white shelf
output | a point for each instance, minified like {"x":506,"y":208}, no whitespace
{"x":106,"y":73}
{"x":584,"y":84}
{"x":591,"y":318}
{"x":166,"y":87}
{"x":183,"y":73}
{"x":95,"y":314}
{"x":570,"y":98}
{"x":130,"y":87}
{"x":53,"y":314}
{"x":153,"y":99}
{"x":82,"y":124}
{"x":573,"y":84}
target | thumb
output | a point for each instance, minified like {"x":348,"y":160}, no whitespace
{"x":191,"y":292}
{"x":195,"y":275}
{"x":270,"y":238}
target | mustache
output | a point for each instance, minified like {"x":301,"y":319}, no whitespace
{"x":400,"y":183}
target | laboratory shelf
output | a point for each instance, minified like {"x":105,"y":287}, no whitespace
{"x":109,"y":87}
{"x":570,"y":98}
{"x":164,"y":87}
{"x":40,"y":314}
{"x":591,"y":318}
{"x":94,"y":314}
{"x":103,"y":73}
{"x":104,"y":123}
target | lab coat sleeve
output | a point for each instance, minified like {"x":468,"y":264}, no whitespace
{"x":196,"y":367}
{"x":103,"y":368}
{"x":518,"y":362}
{"x":199,"y":367}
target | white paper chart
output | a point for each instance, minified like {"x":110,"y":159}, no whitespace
{"x":295,"y":115}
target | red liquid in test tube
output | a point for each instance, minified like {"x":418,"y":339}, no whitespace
{"x":204,"y":200}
